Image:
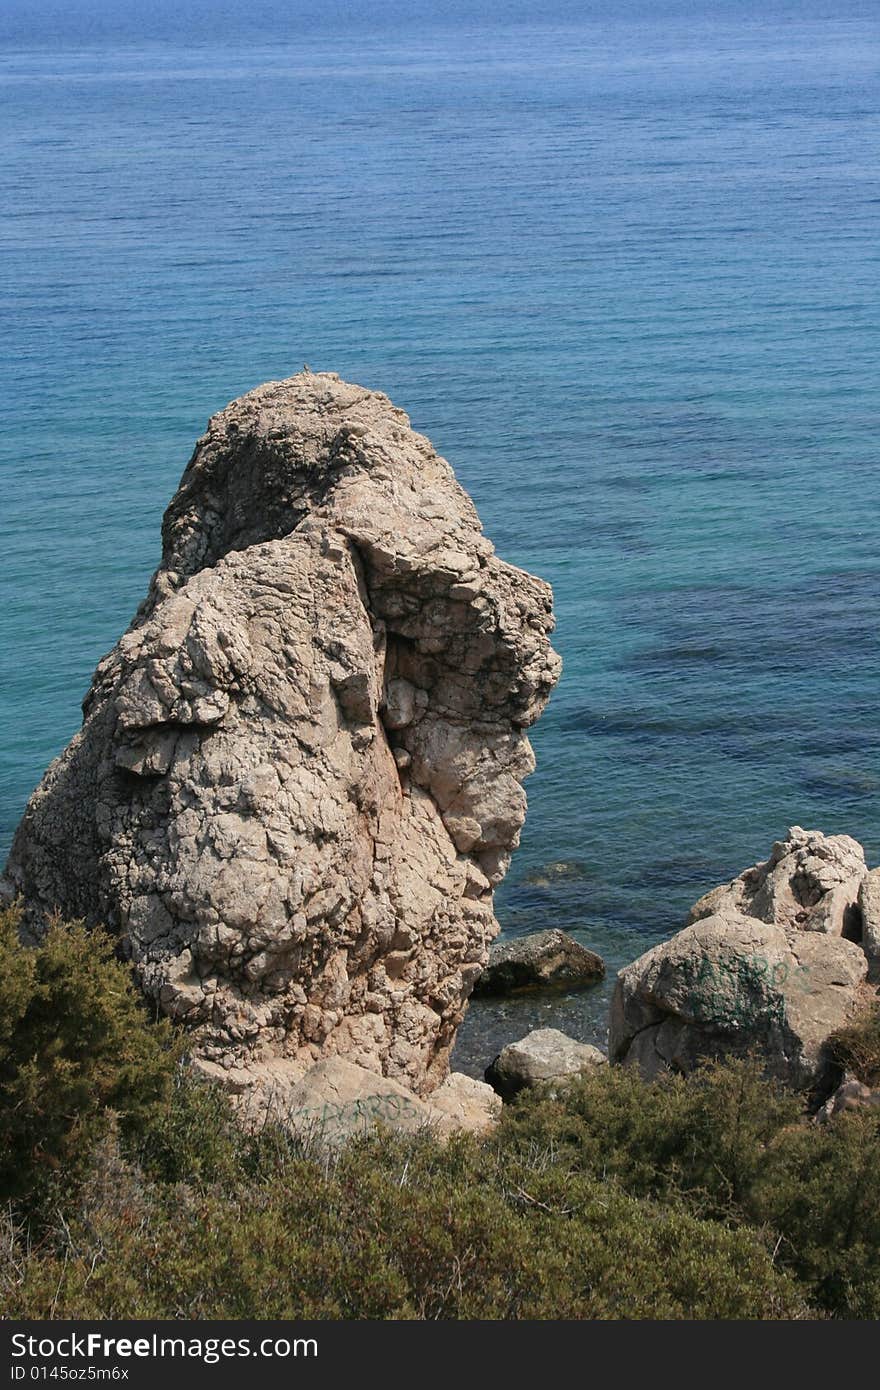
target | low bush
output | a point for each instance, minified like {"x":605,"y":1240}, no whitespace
{"x":705,"y":1137}
{"x":396,"y":1228}
{"x":76,"y":1047}
{"x":712,"y":1197}
{"x":736,"y":1148}
{"x":819,"y":1194}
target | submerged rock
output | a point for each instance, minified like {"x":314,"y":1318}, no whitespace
{"x":542,"y":960}
{"x":544,"y":1055}
{"x":299,"y":774}
{"x":558,"y":871}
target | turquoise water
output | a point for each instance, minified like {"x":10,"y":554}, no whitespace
{"x":621,"y":264}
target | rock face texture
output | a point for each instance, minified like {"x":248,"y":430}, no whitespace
{"x":542,"y":960}
{"x":774,"y":961}
{"x":299,"y":773}
{"x":869,"y":906}
{"x":811,"y":882}
{"x":544,"y":1055}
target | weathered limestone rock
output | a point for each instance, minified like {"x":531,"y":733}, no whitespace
{"x":773,"y":961}
{"x":869,"y":906}
{"x":811,"y":882}
{"x":299,"y":773}
{"x":729,"y":984}
{"x":542,"y":960}
{"x":336,"y":1100}
{"x":544,"y":1055}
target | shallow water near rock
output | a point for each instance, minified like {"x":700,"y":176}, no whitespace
{"x":620,"y":267}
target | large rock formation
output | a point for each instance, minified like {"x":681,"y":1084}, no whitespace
{"x":730,"y":985}
{"x":774,"y":961}
{"x":299,"y":773}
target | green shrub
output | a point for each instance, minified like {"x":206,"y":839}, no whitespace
{"x":480,"y":1232}
{"x":76,"y":1046}
{"x":819,"y":1192}
{"x":195,"y":1137}
{"x":733,"y":1146}
{"x":398,"y":1228}
{"x":705,"y":1136}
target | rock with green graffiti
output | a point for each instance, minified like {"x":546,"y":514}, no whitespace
{"x":738,"y":991}
{"x":730,"y":984}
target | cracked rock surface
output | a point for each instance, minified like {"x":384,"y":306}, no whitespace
{"x":299,"y":775}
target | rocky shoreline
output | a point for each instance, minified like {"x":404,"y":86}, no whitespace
{"x":772,"y":964}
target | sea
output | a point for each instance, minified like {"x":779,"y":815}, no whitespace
{"x":620,"y":262}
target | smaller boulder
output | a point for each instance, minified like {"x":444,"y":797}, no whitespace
{"x":542,"y":960}
{"x":544,"y":1055}
{"x":337,"y":1099}
{"x":463,"y":1103}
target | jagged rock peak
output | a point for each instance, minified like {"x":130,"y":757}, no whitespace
{"x":299,"y":773}
{"x":810,"y":882}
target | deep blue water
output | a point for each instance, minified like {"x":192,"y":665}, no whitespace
{"x":620,"y":264}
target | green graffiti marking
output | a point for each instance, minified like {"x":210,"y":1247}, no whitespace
{"x":340,"y":1118}
{"x":742,"y":992}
